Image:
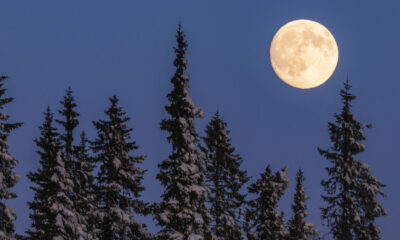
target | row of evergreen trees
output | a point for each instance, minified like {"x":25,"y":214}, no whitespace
{"x":92,"y":190}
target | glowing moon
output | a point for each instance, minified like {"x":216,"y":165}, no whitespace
{"x":304,"y":54}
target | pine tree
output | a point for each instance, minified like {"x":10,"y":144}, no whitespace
{"x":69,"y":123}
{"x":225,"y":179}
{"x":77,"y":164}
{"x":351,"y":189}
{"x":53,"y":216}
{"x":119,"y":179}
{"x":263,"y":220}
{"x":8,"y":178}
{"x":299,"y":229}
{"x":182,"y":213}
{"x":84,"y":187}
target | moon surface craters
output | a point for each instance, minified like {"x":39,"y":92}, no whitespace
{"x":303,"y":54}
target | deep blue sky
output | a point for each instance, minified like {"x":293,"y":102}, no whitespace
{"x":125,"y":47}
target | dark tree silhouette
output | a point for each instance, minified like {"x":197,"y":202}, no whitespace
{"x":299,"y":229}
{"x":120,"y":179}
{"x":8,"y":178}
{"x":53,"y":215}
{"x":84,"y":186}
{"x":351,"y":189}
{"x":182,"y":213}
{"x":69,"y":123}
{"x":79,"y":169}
{"x":263,"y":220}
{"x":225,"y":180}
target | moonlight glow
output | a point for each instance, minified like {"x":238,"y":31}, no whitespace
{"x":304,"y":54}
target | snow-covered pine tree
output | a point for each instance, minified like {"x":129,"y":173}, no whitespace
{"x":8,"y":178}
{"x":69,"y":123}
{"x":53,"y":217}
{"x":263,"y":220}
{"x":225,"y":179}
{"x":119,"y":179}
{"x":182,"y":214}
{"x":299,"y":229}
{"x":84,"y":187}
{"x":351,"y":189}
{"x":77,"y":164}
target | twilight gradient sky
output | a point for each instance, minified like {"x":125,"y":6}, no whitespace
{"x":125,"y":47}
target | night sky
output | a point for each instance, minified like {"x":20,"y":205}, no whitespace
{"x":101,"y":48}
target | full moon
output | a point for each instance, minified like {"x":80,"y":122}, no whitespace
{"x":304,"y":54}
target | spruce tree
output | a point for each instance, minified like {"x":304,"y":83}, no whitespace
{"x":84,"y":187}
{"x":53,"y":216}
{"x":69,"y":123}
{"x":77,"y":164}
{"x":8,"y":178}
{"x":299,"y":229}
{"x":182,"y":213}
{"x":263,"y":219}
{"x":119,"y":180}
{"x":351,"y":189}
{"x":225,"y":180}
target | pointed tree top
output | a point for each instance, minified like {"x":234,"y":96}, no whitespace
{"x":217,"y":115}
{"x":346,"y":95}
{"x":48,"y":112}
{"x":84,"y":139}
{"x":300,"y":174}
{"x":2,"y":78}
{"x":268,"y":169}
{"x":83,"y":134}
{"x":179,"y":30}
{"x":68,"y":95}
{"x":68,"y":111}
{"x":180,"y":38}
{"x":114,"y":99}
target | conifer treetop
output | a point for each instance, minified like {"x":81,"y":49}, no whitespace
{"x":53,"y":215}
{"x":182,"y":214}
{"x":182,"y":106}
{"x":263,"y":221}
{"x":299,"y":229}
{"x":70,"y":121}
{"x":225,"y":180}
{"x":119,"y":179}
{"x":8,"y":178}
{"x":351,"y":189}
